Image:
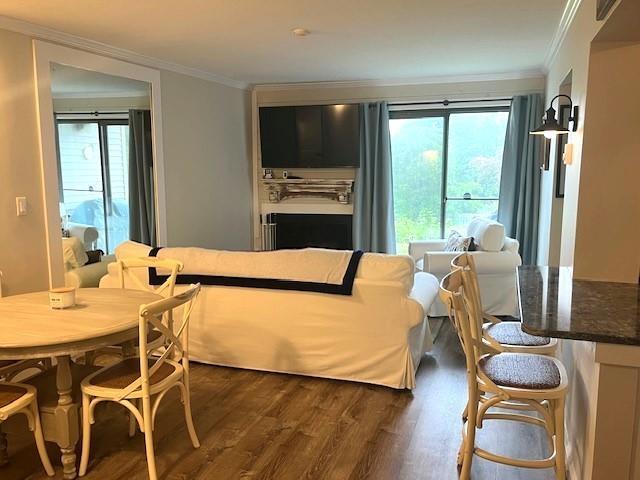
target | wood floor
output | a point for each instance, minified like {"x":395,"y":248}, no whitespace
{"x":255,"y":425}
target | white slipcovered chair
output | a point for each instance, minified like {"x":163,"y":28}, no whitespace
{"x":77,"y":272}
{"x":496,"y":260}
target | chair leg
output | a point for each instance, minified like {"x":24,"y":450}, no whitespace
{"x":39,"y":437}
{"x":186,"y":400}
{"x":4,"y":456}
{"x":470,"y":437}
{"x":132,"y":420}
{"x":89,"y":358}
{"x":86,"y":434}
{"x":148,"y":437}
{"x":559,"y":435}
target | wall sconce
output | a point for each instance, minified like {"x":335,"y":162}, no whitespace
{"x":550,"y":126}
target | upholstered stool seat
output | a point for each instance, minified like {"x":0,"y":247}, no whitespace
{"x":510,"y":333}
{"x":519,"y":370}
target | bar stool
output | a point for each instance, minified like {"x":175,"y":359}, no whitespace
{"x":499,"y":335}
{"x":513,"y":381}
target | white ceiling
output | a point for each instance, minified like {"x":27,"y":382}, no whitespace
{"x":70,"y":82}
{"x":251,"y":40}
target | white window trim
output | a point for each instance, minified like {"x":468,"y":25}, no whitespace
{"x":44,"y":54}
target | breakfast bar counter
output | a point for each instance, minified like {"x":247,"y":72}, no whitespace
{"x":599,"y":324}
{"x":553,"y":304}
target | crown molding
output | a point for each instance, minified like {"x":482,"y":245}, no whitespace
{"x":566,"y":20}
{"x":51,"y":35}
{"x":490,"y":77}
{"x":85,"y":95}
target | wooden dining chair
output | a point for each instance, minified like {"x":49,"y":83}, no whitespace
{"x":520,"y":382}
{"x":133,"y":381}
{"x":18,"y":398}
{"x":131,"y":272}
{"x":502,"y":336}
{"x":9,"y":369}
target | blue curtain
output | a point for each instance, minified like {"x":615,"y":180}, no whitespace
{"x":142,"y":218}
{"x":520,"y":181}
{"x":373,"y":226}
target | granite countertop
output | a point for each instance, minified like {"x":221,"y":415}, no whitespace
{"x":553,"y":304}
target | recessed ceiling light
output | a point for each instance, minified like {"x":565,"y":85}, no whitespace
{"x":300,"y":32}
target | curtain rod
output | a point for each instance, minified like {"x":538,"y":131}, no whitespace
{"x":95,"y":113}
{"x":449,"y":102}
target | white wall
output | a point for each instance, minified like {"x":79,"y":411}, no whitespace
{"x":572,"y":57}
{"x":23,"y":252}
{"x":207,"y":166}
{"x":608,"y":220}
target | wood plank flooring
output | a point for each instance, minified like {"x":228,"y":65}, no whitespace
{"x":256,"y":425}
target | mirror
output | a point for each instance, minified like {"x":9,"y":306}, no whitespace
{"x":105,"y":170}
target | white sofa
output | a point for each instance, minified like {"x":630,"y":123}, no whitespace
{"x":377,"y":335}
{"x":496,"y":259}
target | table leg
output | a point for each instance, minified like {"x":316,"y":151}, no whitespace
{"x":129,"y":349}
{"x":67,"y":418}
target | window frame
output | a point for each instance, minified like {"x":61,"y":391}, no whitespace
{"x":104,"y":162}
{"x":445,"y":114}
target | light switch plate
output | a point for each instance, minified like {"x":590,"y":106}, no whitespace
{"x":21,"y":206}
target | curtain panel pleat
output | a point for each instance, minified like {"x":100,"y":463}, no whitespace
{"x":142,"y":219}
{"x":519,"y":204}
{"x":373,"y":224}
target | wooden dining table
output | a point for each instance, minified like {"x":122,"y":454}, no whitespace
{"x":30,"y":328}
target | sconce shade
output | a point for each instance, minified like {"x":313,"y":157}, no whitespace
{"x":550,"y":126}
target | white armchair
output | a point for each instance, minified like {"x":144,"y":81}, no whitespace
{"x":496,"y":261}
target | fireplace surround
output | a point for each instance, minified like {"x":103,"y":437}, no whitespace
{"x":301,"y":230}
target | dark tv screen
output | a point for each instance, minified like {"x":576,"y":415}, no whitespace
{"x":316,"y":136}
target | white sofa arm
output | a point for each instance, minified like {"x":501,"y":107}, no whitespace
{"x":425,"y":290}
{"x":439,"y":263}
{"x":418,"y":249}
{"x":87,"y":234}
{"x":511,"y":245}
{"x":87,"y":276}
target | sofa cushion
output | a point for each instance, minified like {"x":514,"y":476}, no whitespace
{"x":487,"y":234}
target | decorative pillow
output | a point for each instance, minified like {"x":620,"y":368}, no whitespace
{"x":94,"y":256}
{"x":458,"y":243}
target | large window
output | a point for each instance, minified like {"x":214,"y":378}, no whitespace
{"x":446,"y":169}
{"x":94,"y":184}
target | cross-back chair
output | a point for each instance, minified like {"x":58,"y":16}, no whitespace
{"x":9,"y":369}
{"x":21,"y":398}
{"x":133,"y":382}
{"x":499,"y":335}
{"x":131,"y":272}
{"x":519,"y":382}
